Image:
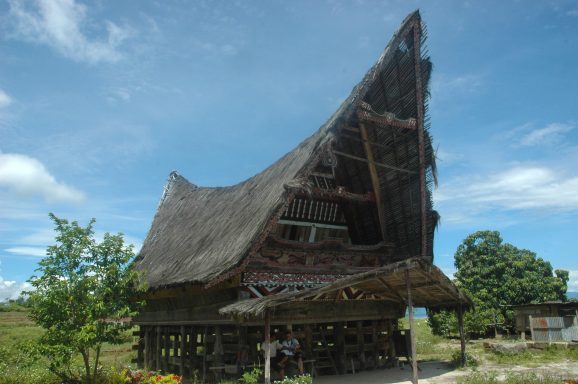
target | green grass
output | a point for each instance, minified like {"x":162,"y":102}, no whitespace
{"x":510,"y":378}
{"x":18,"y":363}
{"x":429,"y":346}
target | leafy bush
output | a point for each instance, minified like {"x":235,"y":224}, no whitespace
{"x":471,"y":361}
{"x":144,"y":377}
{"x":251,"y":377}
{"x":304,"y":379}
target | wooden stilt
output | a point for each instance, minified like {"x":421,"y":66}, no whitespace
{"x":361,"y":345}
{"x":390,"y":344}
{"x":462,"y":335}
{"x":339,"y":337}
{"x":183,"y":351}
{"x":166,"y":347}
{"x":218,"y":351}
{"x":147,"y":347}
{"x":158,"y":348}
{"x":268,"y":347}
{"x":414,"y":378}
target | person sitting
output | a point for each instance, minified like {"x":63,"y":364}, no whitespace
{"x":273,"y":346}
{"x":290,"y":349}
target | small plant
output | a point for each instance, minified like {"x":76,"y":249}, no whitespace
{"x":144,"y":377}
{"x":304,"y":379}
{"x":251,"y":377}
{"x":471,"y":361}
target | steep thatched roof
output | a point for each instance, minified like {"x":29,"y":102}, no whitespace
{"x":200,"y":233}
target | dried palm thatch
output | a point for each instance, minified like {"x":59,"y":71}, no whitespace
{"x":200,"y":234}
{"x":430,"y":288}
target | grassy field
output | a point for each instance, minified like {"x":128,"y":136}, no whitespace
{"x":19,"y":363}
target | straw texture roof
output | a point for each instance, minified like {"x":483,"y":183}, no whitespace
{"x":200,"y":233}
{"x":430,"y":288}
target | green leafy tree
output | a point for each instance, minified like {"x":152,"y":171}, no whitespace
{"x":497,"y":275}
{"x":83,"y":296}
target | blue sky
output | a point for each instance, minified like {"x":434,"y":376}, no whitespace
{"x":100,"y":100}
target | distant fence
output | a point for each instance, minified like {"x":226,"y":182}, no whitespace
{"x":548,"y":329}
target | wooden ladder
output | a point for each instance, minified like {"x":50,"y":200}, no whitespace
{"x":326,"y":361}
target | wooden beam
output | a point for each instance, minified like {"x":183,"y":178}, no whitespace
{"x":268,"y":348}
{"x":330,"y":194}
{"x":353,"y":157}
{"x":420,"y":135}
{"x":374,"y":179}
{"x":462,"y":335}
{"x":367,"y":114}
{"x":414,"y":378}
{"x":391,"y":289}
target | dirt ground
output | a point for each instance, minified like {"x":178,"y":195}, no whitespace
{"x":441,"y":372}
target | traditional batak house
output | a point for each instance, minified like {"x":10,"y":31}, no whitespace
{"x":334,"y":240}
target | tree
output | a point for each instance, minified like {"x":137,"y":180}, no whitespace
{"x":83,"y":296}
{"x":497,"y":275}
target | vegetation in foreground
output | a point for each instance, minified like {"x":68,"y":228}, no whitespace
{"x":511,"y":378}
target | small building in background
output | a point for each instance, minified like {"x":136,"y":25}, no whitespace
{"x":547,"y":322}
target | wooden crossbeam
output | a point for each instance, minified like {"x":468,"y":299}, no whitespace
{"x":330,"y":194}
{"x":353,"y":157}
{"x":367,"y":114}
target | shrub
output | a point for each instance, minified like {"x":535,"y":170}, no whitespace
{"x":251,"y":377}
{"x":471,"y":361}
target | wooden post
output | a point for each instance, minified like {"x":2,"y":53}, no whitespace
{"x":268,"y":347}
{"x":375,"y":341}
{"x":462,"y":335}
{"x":147,"y":347}
{"x":183,"y":351}
{"x":361,"y":345}
{"x":414,"y":378}
{"x":158,"y":348}
{"x":218,"y":351}
{"x":390,"y":344}
{"x":167,"y":348}
{"x":308,"y":341}
{"x":531,"y":327}
{"x":339,"y":338}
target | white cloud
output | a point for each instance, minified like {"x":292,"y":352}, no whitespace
{"x":443,"y":85}
{"x":552,"y":133}
{"x":59,"y":24}
{"x":518,"y":188}
{"x":28,"y":177}
{"x":447,"y":157}
{"x":572,"y":12}
{"x":5,"y":99}
{"x":11,"y":290}
{"x":27,"y":251}
{"x":573,"y":281}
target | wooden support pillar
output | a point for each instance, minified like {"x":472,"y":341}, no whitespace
{"x":158,"y":348}
{"x":267,"y":331}
{"x":390,"y":344}
{"x":462,"y":335}
{"x":414,"y":378}
{"x":218,"y":351}
{"x":205,"y":335}
{"x":361,"y":345}
{"x":308,"y":341}
{"x":339,"y":338}
{"x":183,"y":351}
{"x":167,"y":348}
{"x":147,"y":347}
{"x":192,"y":349}
{"x":375,"y":341}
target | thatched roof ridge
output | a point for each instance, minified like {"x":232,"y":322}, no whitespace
{"x":200,"y":233}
